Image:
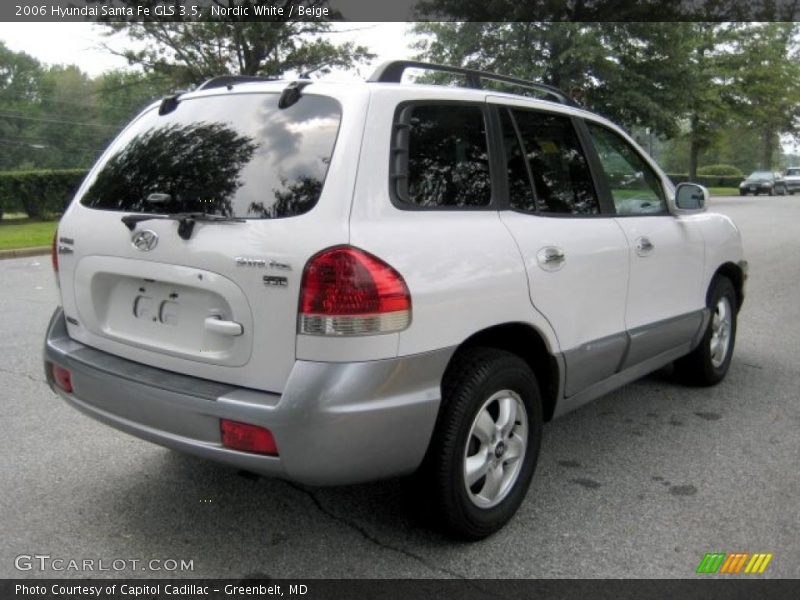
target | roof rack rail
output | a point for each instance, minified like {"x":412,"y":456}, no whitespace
{"x":392,"y":72}
{"x":231,"y":80}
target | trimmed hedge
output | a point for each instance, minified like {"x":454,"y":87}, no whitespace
{"x":720,"y":170}
{"x":38,"y":193}
{"x":708,"y":181}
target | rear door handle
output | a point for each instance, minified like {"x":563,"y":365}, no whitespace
{"x":644,"y":246}
{"x":551,"y":258}
{"x":217,"y":325}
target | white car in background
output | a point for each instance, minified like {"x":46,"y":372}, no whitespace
{"x":792,"y":179}
{"x":336,"y":283}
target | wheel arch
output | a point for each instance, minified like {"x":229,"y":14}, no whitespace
{"x":737,"y":276}
{"x":525,"y":341}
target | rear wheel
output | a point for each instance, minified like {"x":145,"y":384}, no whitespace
{"x":485,"y":444}
{"x":708,"y":363}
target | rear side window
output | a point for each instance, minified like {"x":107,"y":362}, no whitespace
{"x":561,"y":178}
{"x":237,"y":155}
{"x":441,"y":157}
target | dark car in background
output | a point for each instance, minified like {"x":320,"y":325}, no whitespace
{"x":792,"y":179}
{"x":763,"y":182}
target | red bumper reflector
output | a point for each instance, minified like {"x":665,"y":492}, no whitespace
{"x":62,"y":378}
{"x":248,"y":438}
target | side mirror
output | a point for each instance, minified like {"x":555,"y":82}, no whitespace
{"x":690,"y":197}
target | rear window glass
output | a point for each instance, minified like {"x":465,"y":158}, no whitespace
{"x":237,"y":155}
{"x":447,"y":159}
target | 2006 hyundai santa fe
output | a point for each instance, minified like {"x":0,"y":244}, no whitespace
{"x":337,"y":283}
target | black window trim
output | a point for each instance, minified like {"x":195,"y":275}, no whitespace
{"x":503,"y":157}
{"x":602,"y":177}
{"x":605,"y":203}
{"x":398,"y":164}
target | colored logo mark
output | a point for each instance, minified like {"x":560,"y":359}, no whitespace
{"x":734,"y":563}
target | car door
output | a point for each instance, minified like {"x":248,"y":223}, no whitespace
{"x":576,"y":256}
{"x":665,"y":296}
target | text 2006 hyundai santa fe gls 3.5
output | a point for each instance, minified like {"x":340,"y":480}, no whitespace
{"x":337,"y":283}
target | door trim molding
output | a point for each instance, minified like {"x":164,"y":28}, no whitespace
{"x":600,"y":366}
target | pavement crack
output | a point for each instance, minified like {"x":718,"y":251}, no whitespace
{"x":371,"y":538}
{"x":752,"y":366}
{"x":25,"y":375}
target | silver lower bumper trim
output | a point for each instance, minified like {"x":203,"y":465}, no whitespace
{"x":334,"y":423}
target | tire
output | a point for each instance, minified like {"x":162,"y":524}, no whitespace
{"x":708,"y":364}
{"x":481,"y":386}
{"x":742,"y":193}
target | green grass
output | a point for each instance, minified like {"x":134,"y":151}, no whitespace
{"x":723,"y":191}
{"x":23,"y":233}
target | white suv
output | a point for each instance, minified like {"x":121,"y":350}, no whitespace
{"x":338,"y":283}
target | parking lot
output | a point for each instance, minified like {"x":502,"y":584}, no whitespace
{"x":641,"y":483}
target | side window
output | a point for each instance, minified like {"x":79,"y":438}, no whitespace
{"x":561,"y":176}
{"x":443,"y":159}
{"x":635,"y":188}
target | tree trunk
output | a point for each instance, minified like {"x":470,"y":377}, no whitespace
{"x":694,"y":148}
{"x":766,"y":160}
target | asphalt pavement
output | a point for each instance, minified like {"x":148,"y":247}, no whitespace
{"x":641,"y":483}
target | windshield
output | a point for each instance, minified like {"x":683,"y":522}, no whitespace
{"x":793,"y":171}
{"x":760,"y":175}
{"x":235,"y":155}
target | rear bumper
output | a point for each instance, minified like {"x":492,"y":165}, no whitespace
{"x":335,"y":423}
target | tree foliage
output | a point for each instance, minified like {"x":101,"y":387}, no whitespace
{"x":59,"y":117}
{"x":191,"y":52}
{"x":765,"y":74}
{"x":626,"y":71}
{"x":690,"y":80}
{"x":608,"y":10}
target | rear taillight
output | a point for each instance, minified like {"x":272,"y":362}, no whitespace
{"x":247,"y":438}
{"x":62,"y":378}
{"x":346,"y":291}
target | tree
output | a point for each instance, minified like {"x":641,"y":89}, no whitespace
{"x":705,"y":84}
{"x":694,"y":79}
{"x":626,"y":71}
{"x":766,"y":83}
{"x":122,"y":94}
{"x":59,"y":117}
{"x":67,"y":124}
{"x":190,"y":52}
{"x":20,"y":75}
{"x":585,"y":11}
